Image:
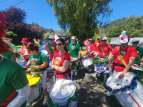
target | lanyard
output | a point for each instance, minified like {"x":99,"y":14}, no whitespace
{"x":121,"y":56}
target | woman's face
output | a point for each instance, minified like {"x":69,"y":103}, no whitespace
{"x":25,"y":44}
{"x":73,"y":40}
{"x":60,"y":45}
{"x":90,"y":41}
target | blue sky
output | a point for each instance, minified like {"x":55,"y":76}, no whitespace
{"x":40,"y":12}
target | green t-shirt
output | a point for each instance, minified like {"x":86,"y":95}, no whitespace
{"x":74,"y":49}
{"x":140,"y":53}
{"x":12,"y":76}
{"x":13,"y":45}
{"x":37,"y":43}
{"x":9,"y":54}
{"x":37,"y":60}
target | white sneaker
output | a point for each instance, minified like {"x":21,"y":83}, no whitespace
{"x":75,"y":73}
{"x":109,"y":93}
{"x":89,"y":69}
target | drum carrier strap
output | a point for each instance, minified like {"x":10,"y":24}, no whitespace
{"x":122,"y":65}
{"x":68,"y":71}
{"x":103,"y":51}
{"x":8,"y":99}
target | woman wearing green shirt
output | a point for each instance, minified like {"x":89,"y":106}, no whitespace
{"x":139,"y":50}
{"x":74,"y":49}
{"x":38,"y":62}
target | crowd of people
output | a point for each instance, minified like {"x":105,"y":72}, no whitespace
{"x":14,"y":86}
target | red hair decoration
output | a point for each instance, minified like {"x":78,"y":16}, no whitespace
{"x":3,"y":48}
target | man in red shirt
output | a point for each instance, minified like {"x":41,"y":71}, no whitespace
{"x":124,"y":52}
{"x":96,"y":43}
{"x":51,"y":47}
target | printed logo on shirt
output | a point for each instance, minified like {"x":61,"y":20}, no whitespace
{"x":73,"y":47}
{"x":57,"y":63}
{"x":97,"y":44}
{"x":58,"y":58}
{"x":33,"y":61}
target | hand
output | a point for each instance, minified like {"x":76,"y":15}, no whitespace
{"x":107,"y":68}
{"x":95,"y":56}
{"x":79,"y":57}
{"x":26,"y":65}
{"x":141,"y":60}
{"x":31,"y":68}
{"x":121,"y":76}
{"x":52,"y":66}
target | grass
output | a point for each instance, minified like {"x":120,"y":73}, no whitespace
{"x":112,"y":98}
{"x":18,"y":46}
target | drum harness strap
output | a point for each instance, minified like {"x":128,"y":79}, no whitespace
{"x":122,"y":65}
{"x":8,"y":99}
{"x":102,"y":51}
{"x":68,"y":71}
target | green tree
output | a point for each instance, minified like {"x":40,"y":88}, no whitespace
{"x":10,"y":34}
{"x":80,"y":16}
{"x":47,"y":35}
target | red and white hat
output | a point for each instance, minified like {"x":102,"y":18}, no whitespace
{"x":124,"y":37}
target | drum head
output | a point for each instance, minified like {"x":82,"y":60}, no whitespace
{"x":33,"y":80}
{"x":62,"y":89}
{"x":74,"y":59}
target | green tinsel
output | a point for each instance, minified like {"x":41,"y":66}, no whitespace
{"x":74,"y":65}
{"x":50,"y":48}
{"x":137,"y":71}
{"x":97,"y":61}
{"x":50,"y":103}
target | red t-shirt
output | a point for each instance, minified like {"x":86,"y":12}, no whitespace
{"x":59,"y":60}
{"x":91,"y":48}
{"x":25,"y":52}
{"x":106,"y":48}
{"x":96,"y":44}
{"x":50,"y":54}
{"x":126,"y":53}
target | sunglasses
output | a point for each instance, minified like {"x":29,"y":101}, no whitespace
{"x":135,"y":42}
{"x":104,"y":40}
{"x":59,"y":44}
{"x":50,"y":39}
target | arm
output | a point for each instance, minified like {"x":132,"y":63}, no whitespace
{"x":28,"y":63}
{"x":63,"y":68}
{"x":131,"y":61}
{"x":23,"y":94}
{"x":111,"y":57}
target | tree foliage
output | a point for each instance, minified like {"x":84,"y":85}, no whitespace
{"x":80,"y":16}
{"x":47,"y":35}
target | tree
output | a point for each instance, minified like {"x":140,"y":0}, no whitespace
{"x":47,"y":35}
{"x":80,"y":16}
{"x":10,"y":34}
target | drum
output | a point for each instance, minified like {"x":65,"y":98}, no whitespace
{"x":74,"y":63}
{"x":86,"y":60}
{"x":36,"y":90}
{"x":125,"y":85}
{"x":62,"y":92}
{"x":100,"y":64}
{"x":137,"y":69}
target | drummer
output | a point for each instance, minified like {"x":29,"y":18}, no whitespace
{"x":139,"y":50}
{"x":121,"y":56}
{"x":104,"y":50}
{"x":37,"y":63}
{"x":51,"y":47}
{"x":74,"y":49}
{"x":61,"y":60}
{"x":90,"y":49}
{"x":14,"y":87}
{"x":24,"y":51}
{"x":97,"y":43}
{"x":9,"y":54}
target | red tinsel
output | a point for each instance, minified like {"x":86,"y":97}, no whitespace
{"x":3,"y":48}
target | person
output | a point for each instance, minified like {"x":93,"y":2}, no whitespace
{"x":61,"y":60}
{"x":14,"y":86}
{"x":38,"y":62}
{"x":74,"y":49}
{"x":97,"y":43}
{"x":123,"y":57}
{"x":90,"y":49}
{"x":51,"y":47}
{"x":9,"y":54}
{"x":35,"y":41}
{"x":139,"y":50}
{"x":24,"y":51}
{"x":104,"y":50}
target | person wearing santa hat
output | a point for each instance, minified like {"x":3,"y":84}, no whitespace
{"x":14,"y":86}
{"x":123,"y":57}
{"x":139,"y":59}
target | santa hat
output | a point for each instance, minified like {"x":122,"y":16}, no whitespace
{"x":124,"y":37}
{"x":3,"y":48}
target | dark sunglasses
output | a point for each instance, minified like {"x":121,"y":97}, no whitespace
{"x":50,"y":39}
{"x":104,"y":40}
{"x":59,"y":44}
{"x":135,"y":42}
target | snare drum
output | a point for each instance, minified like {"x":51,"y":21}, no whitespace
{"x":86,"y":60}
{"x":74,"y":63}
{"x":63,"y":91}
{"x":36,"y":89}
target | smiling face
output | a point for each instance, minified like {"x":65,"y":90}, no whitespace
{"x":51,"y":41}
{"x":73,"y":41}
{"x":60,"y":45}
{"x":135,"y":44}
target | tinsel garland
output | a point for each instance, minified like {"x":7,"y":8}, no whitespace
{"x":50,"y":103}
{"x":140,"y":72}
{"x":31,"y":104}
{"x":75,"y":65}
{"x":97,"y":61}
{"x":50,"y":48}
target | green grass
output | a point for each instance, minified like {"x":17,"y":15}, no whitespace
{"x":18,"y":46}
{"x":112,"y":98}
